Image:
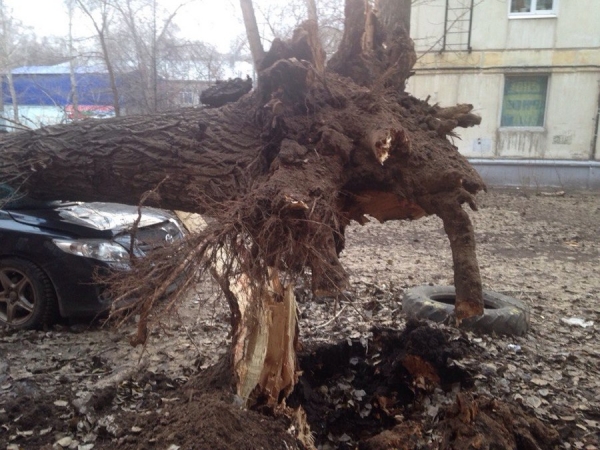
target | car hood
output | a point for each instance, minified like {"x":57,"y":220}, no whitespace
{"x":89,"y":219}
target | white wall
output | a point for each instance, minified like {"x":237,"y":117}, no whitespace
{"x":478,"y":89}
{"x":571,"y":112}
{"x":578,"y":24}
{"x":575,"y":25}
{"x":566,"y":47}
{"x":571,"y":108}
{"x":36,"y":116}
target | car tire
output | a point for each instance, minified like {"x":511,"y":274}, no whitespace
{"x":502,"y":314}
{"x":27,"y":297}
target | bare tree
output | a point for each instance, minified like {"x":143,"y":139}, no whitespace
{"x":99,"y":13}
{"x":190,"y":60}
{"x":256,"y":47}
{"x":311,"y":6}
{"x":395,"y":13}
{"x":139,"y":45}
{"x":19,"y":47}
{"x":331,"y":24}
{"x":146,"y":38}
{"x":70,"y":4}
{"x":10,"y":46}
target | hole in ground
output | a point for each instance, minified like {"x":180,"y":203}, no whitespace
{"x":354,"y":390}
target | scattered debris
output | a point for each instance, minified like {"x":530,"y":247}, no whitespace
{"x":551,"y":374}
{"x":552,"y":194}
{"x":576,"y":321}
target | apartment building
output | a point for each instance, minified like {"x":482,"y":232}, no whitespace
{"x":531,"y":68}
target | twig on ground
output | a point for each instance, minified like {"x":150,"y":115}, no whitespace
{"x":333,"y":318}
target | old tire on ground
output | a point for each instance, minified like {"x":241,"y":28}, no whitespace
{"x":27,"y":298}
{"x":502,"y":314}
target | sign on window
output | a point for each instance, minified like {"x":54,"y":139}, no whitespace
{"x":524,"y":103}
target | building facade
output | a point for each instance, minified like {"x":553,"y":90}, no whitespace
{"x":531,"y":68}
{"x":44,"y":95}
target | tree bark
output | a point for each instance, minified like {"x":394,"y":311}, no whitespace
{"x":74,"y":94}
{"x":283,"y":171}
{"x":394,"y":13}
{"x":311,"y":7}
{"x":13,"y":95}
{"x":372,"y":54}
{"x":256,"y":47}
{"x":192,"y":154}
{"x":101,"y":30}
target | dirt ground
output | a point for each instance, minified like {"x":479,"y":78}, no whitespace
{"x":83,"y":386}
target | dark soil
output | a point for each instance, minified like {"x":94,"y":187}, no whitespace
{"x":368,"y":395}
{"x":355,"y":391}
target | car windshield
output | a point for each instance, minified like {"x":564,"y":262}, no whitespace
{"x":12,"y":199}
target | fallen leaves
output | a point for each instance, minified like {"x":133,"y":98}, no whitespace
{"x":554,"y":371}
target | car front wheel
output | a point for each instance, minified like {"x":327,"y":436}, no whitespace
{"x":27,"y":298}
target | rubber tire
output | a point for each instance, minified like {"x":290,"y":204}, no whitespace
{"x":502,"y":314}
{"x":45,"y":306}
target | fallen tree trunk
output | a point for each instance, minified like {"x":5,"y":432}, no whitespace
{"x":283,"y":171}
{"x":193,"y":154}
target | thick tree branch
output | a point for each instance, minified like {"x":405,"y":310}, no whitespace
{"x":256,"y":48}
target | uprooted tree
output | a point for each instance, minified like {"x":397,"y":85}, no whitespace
{"x":282,"y":172}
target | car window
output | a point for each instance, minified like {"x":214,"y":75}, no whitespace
{"x":12,"y":199}
{"x":6,"y":193}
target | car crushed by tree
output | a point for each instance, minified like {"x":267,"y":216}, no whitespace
{"x":53,"y":255}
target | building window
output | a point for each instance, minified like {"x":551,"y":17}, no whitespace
{"x":524,"y":103}
{"x":187,"y":98}
{"x":533,"y":7}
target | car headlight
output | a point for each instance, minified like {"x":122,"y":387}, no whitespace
{"x":106,"y":251}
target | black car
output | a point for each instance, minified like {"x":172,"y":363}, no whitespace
{"x":50,"y":252}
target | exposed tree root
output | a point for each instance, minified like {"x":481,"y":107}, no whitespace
{"x":224,"y":92}
{"x":486,"y":423}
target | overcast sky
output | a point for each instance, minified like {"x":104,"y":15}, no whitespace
{"x":213,"y":21}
